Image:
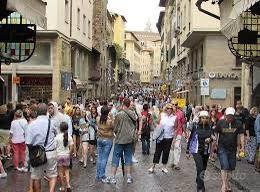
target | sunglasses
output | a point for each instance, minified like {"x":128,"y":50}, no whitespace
{"x":204,"y":117}
{"x":175,"y":104}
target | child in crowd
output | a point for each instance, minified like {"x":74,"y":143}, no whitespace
{"x":64,"y":143}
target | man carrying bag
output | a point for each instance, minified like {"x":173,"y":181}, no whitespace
{"x":42,"y":152}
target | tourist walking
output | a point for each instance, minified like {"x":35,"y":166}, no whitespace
{"x":17,"y":138}
{"x":146,"y":123}
{"x":92,"y":129}
{"x":257,"y":132}
{"x":180,"y":129}
{"x":84,"y":131}
{"x":125,"y":130}
{"x":164,"y":139}
{"x":199,"y":146}
{"x":76,"y":129}
{"x":105,"y":137}
{"x":64,"y":144}
{"x":251,"y":136}
{"x":36,"y":136}
{"x":227,"y":131}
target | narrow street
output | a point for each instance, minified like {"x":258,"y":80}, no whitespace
{"x":83,"y":180}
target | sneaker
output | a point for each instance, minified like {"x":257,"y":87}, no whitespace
{"x":91,"y":159}
{"x":134,"y":160}
{"x":24,"y":169}
{"x":129,"y":180}
{"x":3,"y":175}
{"x":19,"y":169}
{"x":105,"y":180}
{"x":151,"y":170}
{"x":112,"y":180}
{"x":164,"y":170}
{"x":68,"y":189}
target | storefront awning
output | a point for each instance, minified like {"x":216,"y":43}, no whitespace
{"x":234,"y":23}
{"x":33,"y":10}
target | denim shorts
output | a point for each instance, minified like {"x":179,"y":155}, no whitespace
{"x":119,"y":151}
{"x":227,"y":159}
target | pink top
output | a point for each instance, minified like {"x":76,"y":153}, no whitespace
{"x":181,"y":121}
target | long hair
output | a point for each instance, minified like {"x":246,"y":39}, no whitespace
{"x":64,"y":130}
{"x":92,"y":114}
{"x":104,"y":114}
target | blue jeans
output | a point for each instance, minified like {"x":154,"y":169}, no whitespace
{"x":103,"y":148}
{"x":119,"y":151}
{"x":227,"y":159}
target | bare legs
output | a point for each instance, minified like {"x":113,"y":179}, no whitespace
{"x":84,"y":153}
{"x":225,"y":176}
{"x":64,"y":175}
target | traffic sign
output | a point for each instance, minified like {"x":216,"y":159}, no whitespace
{"x":204,"y":83}
{"x":204,"y":87}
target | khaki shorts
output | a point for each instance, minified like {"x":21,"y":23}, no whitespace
{"x":49,"y":169}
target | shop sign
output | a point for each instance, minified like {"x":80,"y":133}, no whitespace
{"x":218,"y":94}
{"x":220,"y":75}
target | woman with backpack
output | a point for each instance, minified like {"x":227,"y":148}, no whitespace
{"x":64,"y":143}
{"x":145,"y":129}
{"x":199,"y":146}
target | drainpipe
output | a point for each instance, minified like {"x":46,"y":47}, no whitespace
{"x":71,"y":18}
{"x":198,"y":4}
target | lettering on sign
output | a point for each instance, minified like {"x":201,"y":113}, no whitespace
{"x":220,"y":75}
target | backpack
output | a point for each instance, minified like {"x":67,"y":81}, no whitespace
{"x":146,"y":127}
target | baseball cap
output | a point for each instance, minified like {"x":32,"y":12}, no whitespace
{"x":230,"y":111}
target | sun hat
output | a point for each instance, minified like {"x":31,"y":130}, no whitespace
{"x":230,"y":111}
{"x":203,"y":114}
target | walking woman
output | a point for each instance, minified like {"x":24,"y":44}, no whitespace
{"x":84,"y":130}
{"x":92,"y":128}
{"x":105,"y":136}
{"x":199,"y":146}
{"x":76,"y":133}
{"x":17,"y":138}
{"x":64,"y":143}
{"x":250,"y":136}
{"x":166,"y":126}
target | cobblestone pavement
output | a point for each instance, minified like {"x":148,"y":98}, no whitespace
{"x":83,"y":180}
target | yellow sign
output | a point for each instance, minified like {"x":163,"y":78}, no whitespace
{"x":181,"y":102}
{"x":164,"y":87}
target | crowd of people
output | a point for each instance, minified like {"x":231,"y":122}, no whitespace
{"x":88,"y":133}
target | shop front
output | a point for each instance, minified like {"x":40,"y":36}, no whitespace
{"x":39,"y":88}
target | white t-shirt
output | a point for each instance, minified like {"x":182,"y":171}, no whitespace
{"x":61,"y":150}
{"x":167,"y":123}
{"x":18,"y":128}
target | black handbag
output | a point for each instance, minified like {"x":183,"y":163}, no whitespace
{"x":37,"y":153}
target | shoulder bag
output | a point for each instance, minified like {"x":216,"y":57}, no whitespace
{"x":37,"y":153}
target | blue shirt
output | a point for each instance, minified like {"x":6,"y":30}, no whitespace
{"x":37,"y":132}
{"x":257,"y":128}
